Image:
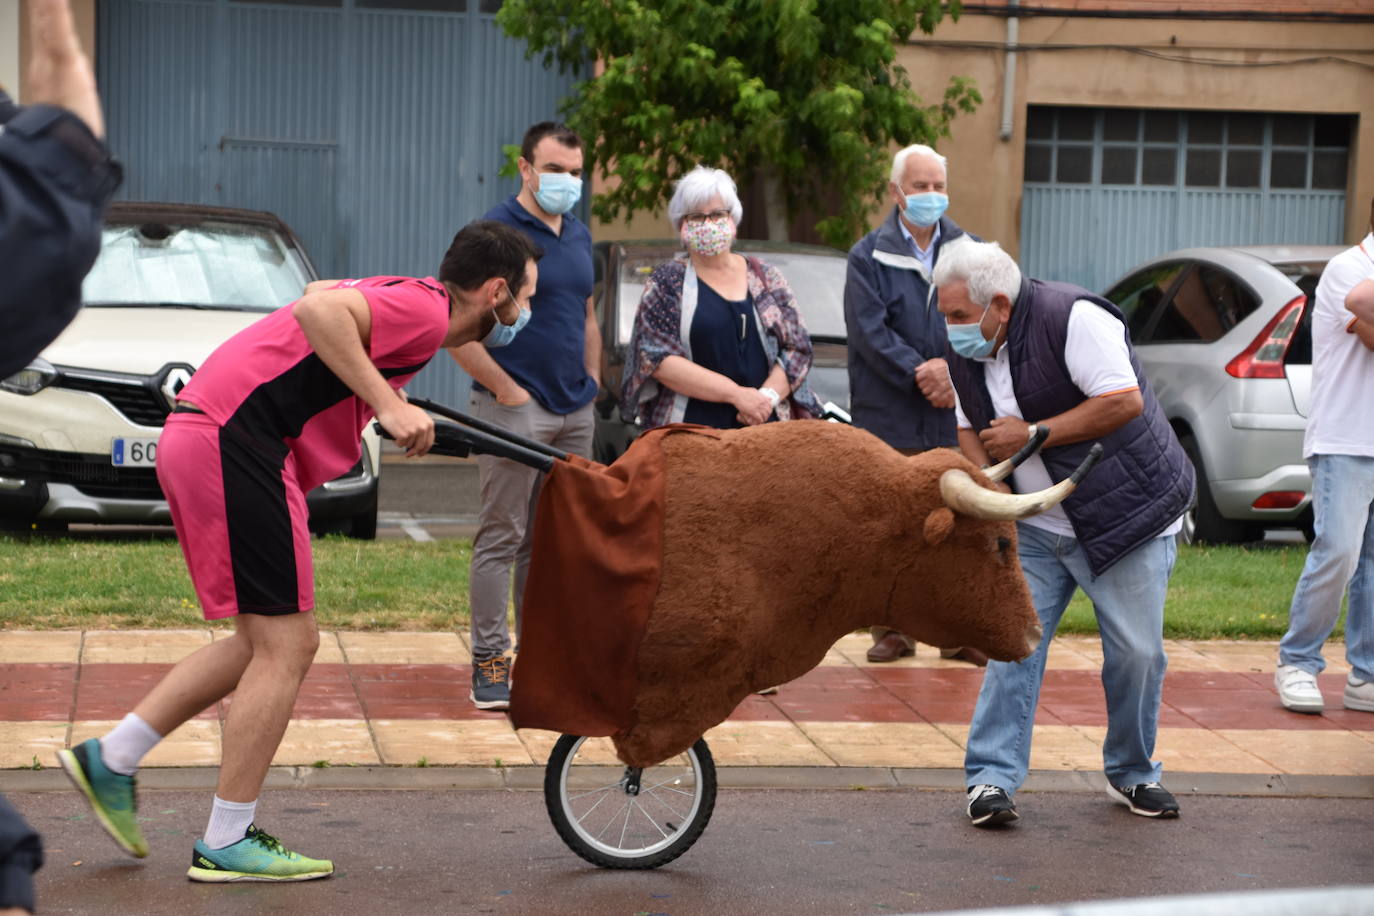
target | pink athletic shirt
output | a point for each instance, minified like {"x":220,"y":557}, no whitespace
{"x":268,"y":382}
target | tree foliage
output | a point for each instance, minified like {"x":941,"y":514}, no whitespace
{"x":803,"y":95}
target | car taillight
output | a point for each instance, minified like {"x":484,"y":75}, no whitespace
{"x":1278,"y":499}
{"x":1264,"y":357}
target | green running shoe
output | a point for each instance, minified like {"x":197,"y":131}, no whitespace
{"x":257,"y":857}
{"x":110,"y":794}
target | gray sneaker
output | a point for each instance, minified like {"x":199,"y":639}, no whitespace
{"x":491,"y":683}
{"x":1358,"y":694}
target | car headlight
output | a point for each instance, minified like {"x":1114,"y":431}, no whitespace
{"x":32,"y":379}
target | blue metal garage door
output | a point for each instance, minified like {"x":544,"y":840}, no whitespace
{"x":1108,"y":188}
{"x":373,"y":127}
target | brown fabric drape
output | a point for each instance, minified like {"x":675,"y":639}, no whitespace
{"x":597,"y":556}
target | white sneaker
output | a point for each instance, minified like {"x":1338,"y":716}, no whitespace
{"x":1359,"y":694}
{"x":1298,"y":690}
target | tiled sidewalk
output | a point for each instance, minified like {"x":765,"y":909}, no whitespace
{"x":401,"y":699}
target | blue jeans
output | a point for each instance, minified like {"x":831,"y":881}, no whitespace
{"x":1342,"y":553}
{"x":1129,"y":602}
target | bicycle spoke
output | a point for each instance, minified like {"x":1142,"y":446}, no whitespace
{"x":629,"y":809}
{"x":681,"y":816}
{"x":652,"y":821}
{"x":604,"y":788}
{"x":667,"y":779}
{"x":588,"y":813}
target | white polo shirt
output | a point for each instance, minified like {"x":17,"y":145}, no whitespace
{"x":1341,"y":418}
{"x":1099,"y":363}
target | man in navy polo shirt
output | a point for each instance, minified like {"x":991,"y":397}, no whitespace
{"x":541,"y":386}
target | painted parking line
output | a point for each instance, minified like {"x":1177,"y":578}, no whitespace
{"x":415,"y":532}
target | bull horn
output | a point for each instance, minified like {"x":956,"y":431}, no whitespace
{"x":962,"y":494}
{"x":1000,"y":472}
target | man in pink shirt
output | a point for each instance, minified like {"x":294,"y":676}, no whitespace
{"x":275,"y":411}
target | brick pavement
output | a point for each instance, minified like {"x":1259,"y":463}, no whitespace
{"x":396,"y":699}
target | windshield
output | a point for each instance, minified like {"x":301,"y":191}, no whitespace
{"x":817,"y":281}
{"x":210,"y":265}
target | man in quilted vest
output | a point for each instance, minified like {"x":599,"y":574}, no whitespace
{"x":1027,"y":353}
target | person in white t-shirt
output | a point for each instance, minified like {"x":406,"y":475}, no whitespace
{"x":1026,"y":354}
{"x":1339,"y":447}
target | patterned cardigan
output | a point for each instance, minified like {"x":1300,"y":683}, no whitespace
{"x":659,"y":333}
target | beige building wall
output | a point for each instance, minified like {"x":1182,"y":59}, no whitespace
{"x":986,"y":172}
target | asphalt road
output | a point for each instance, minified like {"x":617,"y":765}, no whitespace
{"x":765,"y":852}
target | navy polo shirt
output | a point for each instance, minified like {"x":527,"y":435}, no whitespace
{"x":547,"y":357}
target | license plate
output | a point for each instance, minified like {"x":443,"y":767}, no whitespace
{"x":133,"y":453}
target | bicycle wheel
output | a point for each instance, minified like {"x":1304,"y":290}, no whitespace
{"x":616,"y":816}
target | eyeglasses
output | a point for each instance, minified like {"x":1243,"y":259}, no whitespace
{"x":703,"y":217}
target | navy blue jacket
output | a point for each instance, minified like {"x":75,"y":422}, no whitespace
{"x":21,"y":855}
{"x":55,"y":181}
{"x":1144,"y":480}
{"x":893,"y":326}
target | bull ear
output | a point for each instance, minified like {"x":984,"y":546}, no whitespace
{"x":939,"y":524}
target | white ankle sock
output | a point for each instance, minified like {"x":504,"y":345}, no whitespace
{"x":124,"y":747}
{"x":228,"y":822}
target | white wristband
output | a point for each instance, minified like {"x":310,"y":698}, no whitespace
{"x":771,"y":395}
{"x":1030,"y":433}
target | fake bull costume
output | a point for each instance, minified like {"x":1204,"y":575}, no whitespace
{"x":707,"y":564}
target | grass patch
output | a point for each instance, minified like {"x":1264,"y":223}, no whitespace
{"x":99,"y":584}
{"x":1220,"y":593}
{"x":1216,"y":592}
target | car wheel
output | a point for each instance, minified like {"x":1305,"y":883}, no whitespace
{"x":1307,"y":524}
{"x":363,"y":526}
{"x":1204,"y":523}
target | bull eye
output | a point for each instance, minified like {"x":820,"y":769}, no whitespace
{"x":1002,"y":545}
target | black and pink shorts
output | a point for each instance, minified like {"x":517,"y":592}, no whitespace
{"x":240,"y":516}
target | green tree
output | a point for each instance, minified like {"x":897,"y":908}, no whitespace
{"x":803,"y":96}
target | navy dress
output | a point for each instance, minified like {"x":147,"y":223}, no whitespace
{"x":725,"y":339}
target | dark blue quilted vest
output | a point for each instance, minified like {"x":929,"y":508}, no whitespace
{"x":1144,"y":480}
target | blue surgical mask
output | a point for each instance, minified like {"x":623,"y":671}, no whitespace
{"x":926,"y":209}
{"x":502,"y":334}
{"x":558,"y":192}
{"x":968,"y":340}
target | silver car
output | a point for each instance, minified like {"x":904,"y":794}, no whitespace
{"x":1224,"y":336}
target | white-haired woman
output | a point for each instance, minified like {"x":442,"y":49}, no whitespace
{"x":717,"y":339}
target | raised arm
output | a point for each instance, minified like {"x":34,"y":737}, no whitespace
{"x":338,"y":325}
{"x":1360,"y":303}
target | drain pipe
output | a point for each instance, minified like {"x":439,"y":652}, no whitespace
{"x":1009,"y":77}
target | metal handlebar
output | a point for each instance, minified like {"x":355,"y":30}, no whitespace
{"x":482,"y":438}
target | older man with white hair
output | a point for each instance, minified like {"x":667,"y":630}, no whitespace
{"x":898,"y":385}
{"x":1028,"y":353}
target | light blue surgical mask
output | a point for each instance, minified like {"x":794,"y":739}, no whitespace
{"x":926,"y":209}
{"x":968,"y":340}
{"x":502,"y":334}
{"x":558,"y":192}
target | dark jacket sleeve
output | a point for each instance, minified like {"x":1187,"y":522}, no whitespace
{"x":56,"y":178}
{"x":865,"y":315}
{"x":21,"y":854}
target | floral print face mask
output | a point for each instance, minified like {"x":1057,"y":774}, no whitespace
{"x":708,"y":237}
